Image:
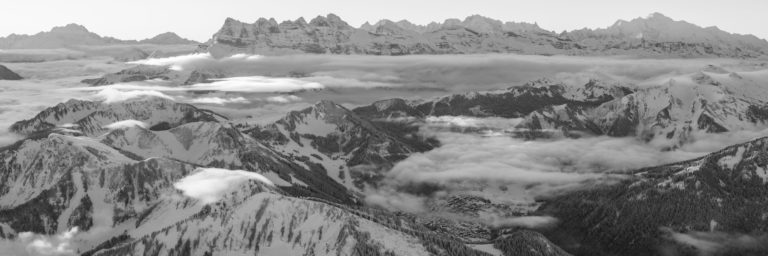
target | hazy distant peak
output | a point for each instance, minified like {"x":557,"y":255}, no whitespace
{"x":168,"y":38}
{"x":70,"y":28}
{"x":658,"y":16}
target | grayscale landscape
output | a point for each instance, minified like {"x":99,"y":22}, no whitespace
{"x":319,"y":136}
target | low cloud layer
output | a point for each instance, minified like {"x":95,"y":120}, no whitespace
{"x":210,"y":184}
{"x":31,"y":244}
{"x":450,"y":72}
{"x":469,"y":157}
{"x":504,"y":169}
{"x":524,"y":221}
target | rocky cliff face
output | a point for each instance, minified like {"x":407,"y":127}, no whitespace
{"x":655,"y":35}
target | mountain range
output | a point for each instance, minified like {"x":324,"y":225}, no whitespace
{"x":113,"y":170}
{"x":655,"y":35}
{"x":80,"y":167}
{"x":147,"y":175}
{"x":73,"y":35}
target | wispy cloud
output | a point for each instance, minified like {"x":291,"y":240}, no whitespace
{"x":283,"y":99}
{"x":219,"y":101}
{"x":125,"y":124}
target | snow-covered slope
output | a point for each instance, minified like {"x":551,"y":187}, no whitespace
{"x":203,"y":143}
{"x":266,"y":223}
{"x":53,"y":184}
{"x":332,"y":140}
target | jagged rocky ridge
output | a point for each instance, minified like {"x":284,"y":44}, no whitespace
{"x":655,"y":35}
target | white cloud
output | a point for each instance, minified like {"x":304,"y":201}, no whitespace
{"x":177,"y":62}
{"x":210,"y":184}
{"x":111,"y":95}
{"x":388,"y":198}
{"x":125,"y":124}
{"x":219,"y":101}
{"x":245,"y":84}
{"x":258,"y":84}
{"x":242,"y":57}
{"x":199,"y":60}
{"x":465,"y":157}
{"x":283,"y":99}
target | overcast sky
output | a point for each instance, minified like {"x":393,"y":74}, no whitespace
{"x":196,"y":19}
